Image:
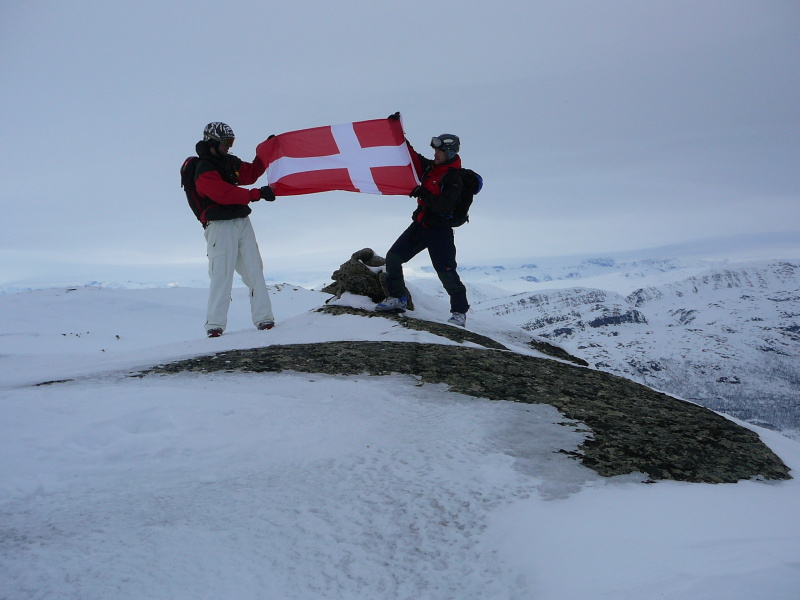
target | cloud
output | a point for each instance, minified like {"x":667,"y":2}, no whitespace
{"x":595,"y":125}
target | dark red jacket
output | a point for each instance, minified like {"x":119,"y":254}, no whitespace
{"x":217,"y":180}
{"x":444,"y":182}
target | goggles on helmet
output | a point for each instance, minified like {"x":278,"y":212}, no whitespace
{"x":227,"y":142}
{"x":439,"y":142}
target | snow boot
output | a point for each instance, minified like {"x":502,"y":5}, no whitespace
{"x":391,"y":304}
{"x":459,"y":319}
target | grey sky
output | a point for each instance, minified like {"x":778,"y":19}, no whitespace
{"x":598,"y":126}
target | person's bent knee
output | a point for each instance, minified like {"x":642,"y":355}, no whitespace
{"x":393,"y":261}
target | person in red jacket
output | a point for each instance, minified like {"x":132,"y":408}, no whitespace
{"x":437,"y":195}
{"x":231,"y":241}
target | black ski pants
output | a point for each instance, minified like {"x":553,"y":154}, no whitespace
{"x":441,"y":246}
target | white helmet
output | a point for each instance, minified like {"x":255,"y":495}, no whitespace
{"x":218,"y":132}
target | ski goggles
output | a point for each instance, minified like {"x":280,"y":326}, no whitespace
{"x":439,"y":142}
{"x":227,"y":142}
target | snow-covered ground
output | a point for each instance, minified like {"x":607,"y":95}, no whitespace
{"x":297,"y":486}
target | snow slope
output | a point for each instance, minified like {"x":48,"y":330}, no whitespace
{"x":297,"y":486}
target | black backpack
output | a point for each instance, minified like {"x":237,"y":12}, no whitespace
{"x":473,"y":184}
{"x":188,"y":170}
{"x":197,"y":203}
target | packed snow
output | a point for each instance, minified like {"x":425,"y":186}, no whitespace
{"x":304,"y":486}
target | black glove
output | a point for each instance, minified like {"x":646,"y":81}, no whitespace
{"x":394,"y":117}
{"x":267,"y":193}
{"x":421,"y":193}
{"x":270,"y":137}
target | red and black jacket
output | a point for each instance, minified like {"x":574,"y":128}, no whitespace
{"x":444,"y":182}
{"x":217,"y":179}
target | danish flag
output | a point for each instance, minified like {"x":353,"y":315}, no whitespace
{"x":370,"y":157}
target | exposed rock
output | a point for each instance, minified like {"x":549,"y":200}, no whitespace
{"x":629,"y":316}
{"x":451,"y":332}
{"x":362,"y":276}
{"x":456,"y":334}
{"x":634,"y":428}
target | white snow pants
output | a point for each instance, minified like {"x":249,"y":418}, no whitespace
{"x":232,"y":247}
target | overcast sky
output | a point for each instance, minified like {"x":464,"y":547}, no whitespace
{"x":598,"y":126}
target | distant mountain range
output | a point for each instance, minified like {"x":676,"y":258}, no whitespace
{"x":724,"y":335}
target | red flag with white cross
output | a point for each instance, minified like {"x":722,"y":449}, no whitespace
{"x":370,"y":157}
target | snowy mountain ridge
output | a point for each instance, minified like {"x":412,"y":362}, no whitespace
{"x":726,"y":337}
{"x":564,"y":272}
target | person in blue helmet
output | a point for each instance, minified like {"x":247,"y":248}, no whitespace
{"x":437,"y":195}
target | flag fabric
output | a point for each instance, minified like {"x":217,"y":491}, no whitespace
{"x":370,"y":157}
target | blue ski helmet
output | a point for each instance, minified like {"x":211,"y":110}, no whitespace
{"x":447,"y":142}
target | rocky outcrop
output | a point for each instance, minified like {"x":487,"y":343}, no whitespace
{"x":362,"y":275}
{"x":633,"y":428}
{"x":456,"y":334}
{"x":615,"y":318}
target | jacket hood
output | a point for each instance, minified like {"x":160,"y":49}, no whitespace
{"x":202,"y":148}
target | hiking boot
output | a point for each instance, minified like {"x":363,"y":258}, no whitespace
{"x":214,"y":332}
{"x":265,"y":325}
{"x":457,"y":318}
{"x":392,"y":304}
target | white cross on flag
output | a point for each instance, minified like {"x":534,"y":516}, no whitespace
{"x":370,"y":157}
